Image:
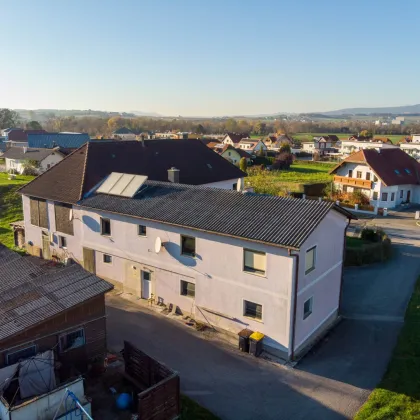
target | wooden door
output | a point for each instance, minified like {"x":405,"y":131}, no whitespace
{"x":46,"y":251}
{"x":89,"y":260}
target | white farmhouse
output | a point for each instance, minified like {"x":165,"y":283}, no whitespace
{"x":388,"y":177}
{"x":204,"y":250}
{"x":40,"y":159}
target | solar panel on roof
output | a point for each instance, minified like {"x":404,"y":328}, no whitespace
{"x":124,"y":185}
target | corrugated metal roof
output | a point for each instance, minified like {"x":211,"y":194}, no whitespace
{"x":285,"y":222}
{"x":49,"y":140}
{"x":30,"y":294}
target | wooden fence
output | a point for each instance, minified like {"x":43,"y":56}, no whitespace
{"x":159,"y":397}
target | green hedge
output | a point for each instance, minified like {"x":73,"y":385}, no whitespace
{"x":369,"y":252}
{"x":263,"y":160}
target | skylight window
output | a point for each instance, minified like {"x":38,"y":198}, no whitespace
{"x":407,"y":170}
{"x":209,"y":166}
{"x":397,"y":171}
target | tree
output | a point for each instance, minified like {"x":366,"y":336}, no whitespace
{"x":365,"y":133}
{"x":283,"y":161}
{"x":285,"y":147}
{"x":8,"y":118}
{"x":243,"y":164}
{"x":115,"y":122}
{"x":33,"y":125}
{"x":30,"y":167}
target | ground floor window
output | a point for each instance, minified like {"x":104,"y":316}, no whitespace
{"x":63,"y":241}
{"x":187,"y":288}
{"x":107,"y":259}
{"x":72,"y":340}
{"x":252,"y":310}
{"x":307,"y":308}
{"x":22,"y":354}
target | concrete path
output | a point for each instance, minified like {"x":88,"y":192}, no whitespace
{"x":331,"y":382}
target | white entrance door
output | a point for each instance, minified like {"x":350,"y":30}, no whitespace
{"x":146,"y":287}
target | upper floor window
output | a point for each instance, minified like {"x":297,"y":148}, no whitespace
{"x":71,"y":340}
{"x":367,"y":176}
{"x":22,"y":354}
{"x":39,"y":214}
{"x":63,"y":218}
{"x":359,"y":174}
{"x":105,"y":227}
{"x":310,"y":260}
{"x":141,"y":230}
{"x":351,"y":173}
{"x":384,"y":196}
{"x":188,"y":246}
{"x":254,"y":261}
{"x":375,"y":178}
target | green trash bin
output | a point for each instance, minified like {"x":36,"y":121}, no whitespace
{"x":244,"y":340}
{"x":255,"y":343}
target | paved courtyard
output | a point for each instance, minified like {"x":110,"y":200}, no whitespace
{"x":331,"y":382}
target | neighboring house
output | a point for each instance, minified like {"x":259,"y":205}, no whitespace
{"x":42,"y":309}
{"x":253,"y":147}
{"x":124,"y":133}
{"x":161,"y":242}
{"x":388,"y":177}
{"x":324,"y":145}
{"x":21,"y":135}
{"x":308,"y":147}
{"x":354,"y":145}
{"x":233,"y":154}
{"x":234,"y":138}
{"x":42,"y":159}
{"x":51,"y":140}
{"x":412,"y":146}
{"x":275,"y":142}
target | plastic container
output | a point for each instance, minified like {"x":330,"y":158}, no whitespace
{"x":255,"y":343}
{"x":244,"y":339}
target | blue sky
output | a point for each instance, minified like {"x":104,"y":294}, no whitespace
{"x":209,"y":57}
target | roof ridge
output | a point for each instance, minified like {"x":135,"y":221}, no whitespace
{"x":84,"y":172}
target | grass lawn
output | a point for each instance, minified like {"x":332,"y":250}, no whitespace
{"x":190,"y":410}
{"x":395,"y":138}
{"x":10,"y":205}
{"x":301,"y":172}
{"x":398,"y":394}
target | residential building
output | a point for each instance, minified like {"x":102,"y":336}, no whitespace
{"x":411,"y":146}
{"x":234,"y":138}
{"x":354,"y":145}
{"x":279,"y":274}
{"x":398,"y":121}
{"x":387,"y":176}
{"x":252,"y":147}
{"x":308,"y":147}
{"x":40,"y":160}
{"x":233,"y":154}
{"x":42,"y":309}
{"x":124,"y":133}
{"x":275,"y":142}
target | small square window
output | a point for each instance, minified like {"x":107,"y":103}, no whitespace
{"x":254,"y":261}
{"x":107,"y":259}
{"x":407,"y":171}
{"x":141,"y":230}
{"x":384,"y":196}
{"x":187,"y":288}
{"x":105,"y":227}
{"x":188,"y":246}
{"x":310,"y":260}
{"x":252,"y":310}
{"x":235,"y":186}
{"x":62,"y":242}
{"x":307,"y":308}
{"x":72,"y":340}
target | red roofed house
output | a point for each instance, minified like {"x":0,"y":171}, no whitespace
{"x":388,"y":177}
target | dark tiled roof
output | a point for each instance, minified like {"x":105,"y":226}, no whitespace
{"x":29,"y":294}
{"x":237,"y":137}
{"x":285,"y":222}
{"x":22,"y":135}
{"x":392,"y":166}
{"x":123,"y":130}
{"x":79,"y":172}
{"x":49,"y":140}
{"x":29,"y":154}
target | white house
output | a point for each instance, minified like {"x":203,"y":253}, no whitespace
{"x":279,"y":274}
{"x":234,"y":138}
{"x":40,"y":159}
{"x":353,"y":145}
{"x":412,"y":147}
{"x":388,"y":176}
{"x":252,"y":146}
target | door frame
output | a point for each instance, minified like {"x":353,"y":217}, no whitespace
{"x":142,"y":280}
{"x":45,"y":234}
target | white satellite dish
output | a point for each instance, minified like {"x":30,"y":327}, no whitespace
{"x":71,"y":215}
{"x":158,"y":245}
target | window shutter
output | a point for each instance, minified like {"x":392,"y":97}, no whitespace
{"x":43,"y":216}
{"x":33,"y":205}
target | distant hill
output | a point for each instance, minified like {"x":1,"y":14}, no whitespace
{"x":400,"y":110}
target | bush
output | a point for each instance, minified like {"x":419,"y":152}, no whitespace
{"x":283,"y":161}
{"x":370,"y":235}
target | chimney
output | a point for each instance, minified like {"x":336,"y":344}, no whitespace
{"x":142,"y":140}
{"x":173,"y":175}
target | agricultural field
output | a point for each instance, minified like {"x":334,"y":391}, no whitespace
{"x":292,"y":180}
{"x":395,"y":138}
{"x":10,"y":205}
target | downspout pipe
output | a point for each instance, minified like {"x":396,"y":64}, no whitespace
{"x":342,"y":266}
{"x":295,"y":294}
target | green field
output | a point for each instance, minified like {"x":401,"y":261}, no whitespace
{"x":10,"y":205}
{"x":279,"y":182}
{"x":398,"y":394}
{"x":395,"y":138}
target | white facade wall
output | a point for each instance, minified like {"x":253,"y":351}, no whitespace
{"x":415,"y":138}
{"x":349,"y":146}
{"x":413,"y":149}
{"x":221,"y":284}
{"x":232,"y":156}
{"x":17,"y":165}
{"x":225,"y":185}
{"x":308,"y":147}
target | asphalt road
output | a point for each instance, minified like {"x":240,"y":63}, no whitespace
{"x":331,"y":382}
